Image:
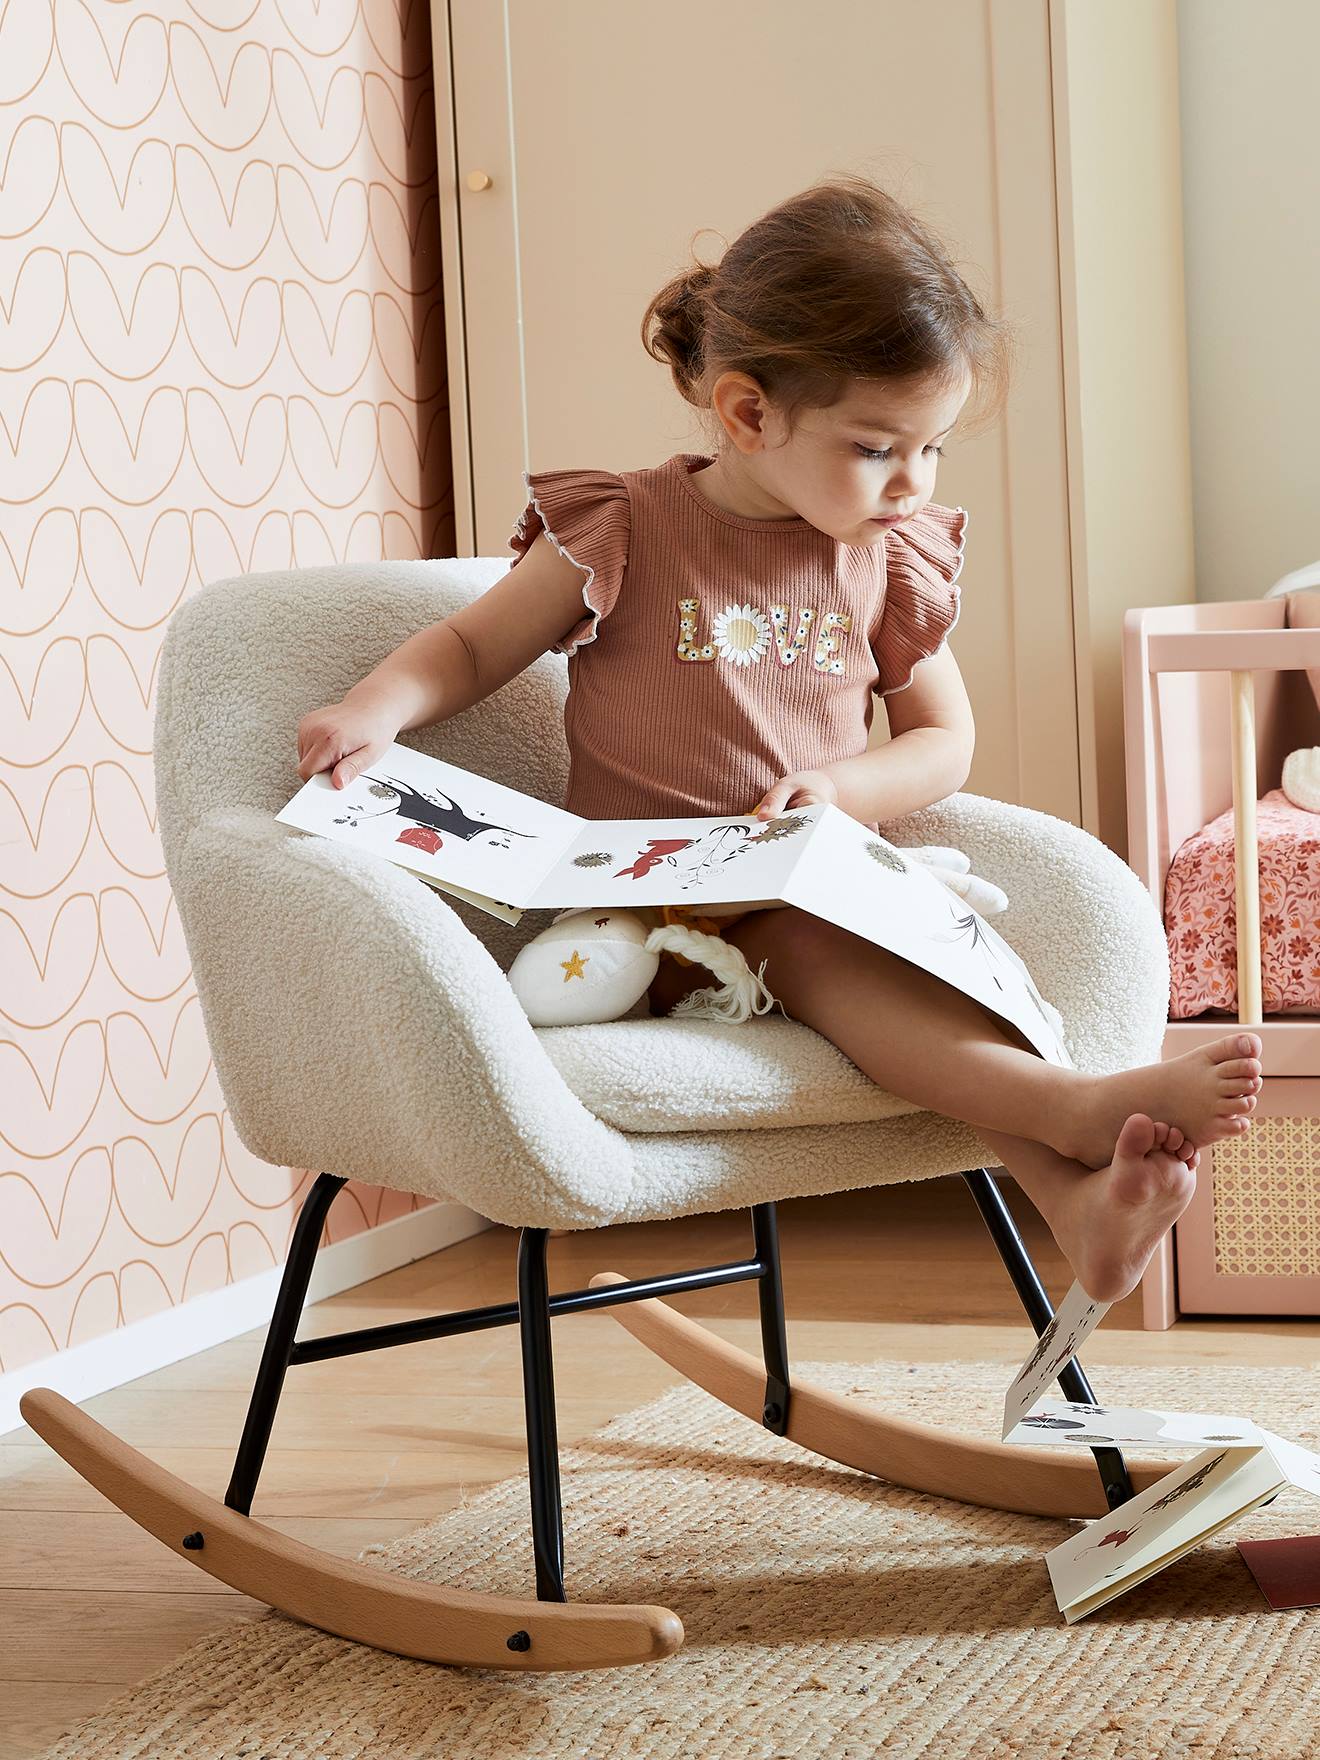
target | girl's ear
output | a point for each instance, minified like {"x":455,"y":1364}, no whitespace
{"x":743,"y":409}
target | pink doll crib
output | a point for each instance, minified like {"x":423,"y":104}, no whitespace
{"x":1215,"y":697}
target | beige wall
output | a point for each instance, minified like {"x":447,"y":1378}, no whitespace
{"x":1251,"y":216}
{"x":1117,"y":153}
{"x":222,"y":347}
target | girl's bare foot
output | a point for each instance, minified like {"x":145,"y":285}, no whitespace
{"x":1112,"y":1219}
{"x":1206,"y":1093}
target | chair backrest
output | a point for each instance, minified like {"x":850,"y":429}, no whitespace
{"x":245,"y":659}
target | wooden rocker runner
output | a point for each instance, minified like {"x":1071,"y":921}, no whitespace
{"x":436,"y":1624}
{"x":432,"y":1080}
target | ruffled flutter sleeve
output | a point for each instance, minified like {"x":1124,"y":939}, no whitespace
{"x":923,"y":559}
{"x":586,"y":516}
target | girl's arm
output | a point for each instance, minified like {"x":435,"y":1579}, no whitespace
{"x":929,"y":754}
{"x":449,"y":666}
{"x":915,"y":769}
{"x":928,"y":757}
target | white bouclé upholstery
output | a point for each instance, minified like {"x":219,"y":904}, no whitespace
{"x":362,"y":1024}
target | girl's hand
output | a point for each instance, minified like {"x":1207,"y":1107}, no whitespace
{"x":804,"y":788}
{"x":343,"y":738}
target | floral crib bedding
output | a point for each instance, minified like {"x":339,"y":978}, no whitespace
{"x":1200,"y":914}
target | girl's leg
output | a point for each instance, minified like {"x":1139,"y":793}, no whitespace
{"x":921,"y":1038}
{"x":925,"y":1040}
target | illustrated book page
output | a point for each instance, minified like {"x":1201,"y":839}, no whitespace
{"x":735,"y":860}
{"x":458,"y":831}
{"x":1239,"y":1466}
{"x":1161,"y":1524}
{"x":508,"y":852}
{"x":1075,"y":1319}
{"x":865,"y":884}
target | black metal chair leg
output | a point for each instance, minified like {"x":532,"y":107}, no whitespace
{"x":279,"y":1342}
{"x":539,"y":1400}
{"x":774,"y":1338}
{"x":990,"y":1201}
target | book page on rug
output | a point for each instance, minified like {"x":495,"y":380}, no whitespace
{"x":1300,"y":1464}
{"x":1075,"y":1319}
{"x":1190,"y":1504}
{"x":738,"y":859}
{"x":1053,"y":1423}
{"x":851,"y":876}
{"x":459,"y":831}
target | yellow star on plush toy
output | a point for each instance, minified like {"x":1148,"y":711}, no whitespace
{"x":573,"y":967}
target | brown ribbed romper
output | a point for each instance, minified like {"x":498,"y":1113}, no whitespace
{"x":720,"y":653}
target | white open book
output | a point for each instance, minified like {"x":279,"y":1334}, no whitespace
{"x":507,"y":852}
{"x":1238,"y":1465}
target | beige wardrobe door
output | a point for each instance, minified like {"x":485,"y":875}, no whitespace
{"x":587,"y":142}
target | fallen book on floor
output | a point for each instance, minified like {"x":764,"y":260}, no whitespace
{"x":1240,"y":1466}
{"x":508,"y":852}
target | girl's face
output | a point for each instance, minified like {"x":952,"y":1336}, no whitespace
{"x":853,"y":470}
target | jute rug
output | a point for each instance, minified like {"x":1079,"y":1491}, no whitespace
{"x":827,"y":1614}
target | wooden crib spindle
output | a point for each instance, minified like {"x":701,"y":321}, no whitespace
{"x":1246,"y":852}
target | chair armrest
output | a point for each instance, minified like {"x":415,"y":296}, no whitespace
{"x":360,"y":1028}
{"x":1081,"y":921}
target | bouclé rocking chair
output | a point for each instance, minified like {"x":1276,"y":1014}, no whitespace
{"x":362,"y":1025}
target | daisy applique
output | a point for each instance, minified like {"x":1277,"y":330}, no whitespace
{"x":741,"y":633}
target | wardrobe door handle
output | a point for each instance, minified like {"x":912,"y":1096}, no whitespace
{"x":477,"y":180}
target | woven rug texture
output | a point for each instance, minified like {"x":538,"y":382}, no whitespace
{"x":828,"y":1614}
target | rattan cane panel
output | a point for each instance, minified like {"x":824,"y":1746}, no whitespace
{"x":1267,"y":1200}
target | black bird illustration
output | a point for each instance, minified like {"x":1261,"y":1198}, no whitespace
{"x":441,"y":813}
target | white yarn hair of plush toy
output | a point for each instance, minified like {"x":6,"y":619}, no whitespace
{"x":741,"y":991}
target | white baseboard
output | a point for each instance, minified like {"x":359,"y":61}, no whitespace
{"x":220,"y":1314}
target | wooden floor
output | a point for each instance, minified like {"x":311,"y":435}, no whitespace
{"x":367,"y":1447}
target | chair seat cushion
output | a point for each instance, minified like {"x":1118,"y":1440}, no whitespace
{"x":649,"y":1074}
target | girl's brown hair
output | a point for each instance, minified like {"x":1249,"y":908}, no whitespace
{"x":836,"y":283}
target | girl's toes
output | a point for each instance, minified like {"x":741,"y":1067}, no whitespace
{"x":1137,"y":1136}
{"x":1175,"y":1138}
{"x":1236,"y":1045}
{"x":1162,"y":1134}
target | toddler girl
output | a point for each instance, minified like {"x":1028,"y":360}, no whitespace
{"x":728,"y":619}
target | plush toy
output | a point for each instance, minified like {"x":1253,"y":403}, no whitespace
{"x":587,"y":966}
{"x":954,"y":869}
{"x":1301,"y":778}
{"x":1301,"y":769}
{"x":594,"y":965}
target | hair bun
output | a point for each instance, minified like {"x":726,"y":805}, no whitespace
{"x":674,"y":327}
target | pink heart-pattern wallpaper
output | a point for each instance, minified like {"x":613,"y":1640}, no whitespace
{"x":223,"y":351}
